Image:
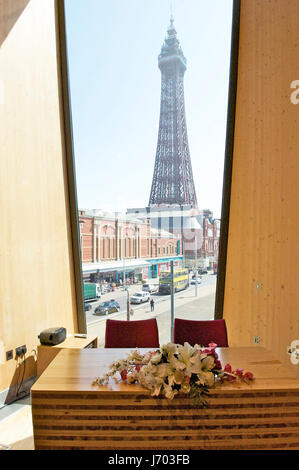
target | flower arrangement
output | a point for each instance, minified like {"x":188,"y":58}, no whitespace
{"x":175,"y":368}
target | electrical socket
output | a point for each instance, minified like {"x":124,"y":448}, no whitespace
{"x":9,"y":355}
{"x":257,"y":340}
{"x":21,"y":351}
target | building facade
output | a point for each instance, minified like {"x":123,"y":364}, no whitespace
{"x":117,"y":247}
{"x":198,"y":231}
{"x":209,"y":246}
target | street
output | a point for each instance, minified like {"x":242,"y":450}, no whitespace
{"x":187,"y":305}
{"x":121,"y":296}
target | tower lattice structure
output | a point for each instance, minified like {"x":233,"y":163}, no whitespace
{"x":173,"y":178}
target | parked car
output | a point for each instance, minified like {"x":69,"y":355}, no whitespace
{"x":194,"y":281}
{"x":110,"y":306}
{"x":203,"y":271}
{"x":87,"y":307}
{"x":151,"y":288}
{"x":140,"y":297}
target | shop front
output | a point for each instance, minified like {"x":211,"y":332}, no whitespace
{"x":116,"y":271}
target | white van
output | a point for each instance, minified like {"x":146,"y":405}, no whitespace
{"x":150,"y":288}
{"x":140,"y":297}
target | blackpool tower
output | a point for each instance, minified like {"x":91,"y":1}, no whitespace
{"x":173,"y":179}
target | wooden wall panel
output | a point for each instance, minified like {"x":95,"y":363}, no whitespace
{"x":262,"y":276}
{"x":36,"y":260}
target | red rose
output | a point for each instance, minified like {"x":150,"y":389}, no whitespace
{"x":228,"y":368}
{"x":239,"y":372}
{"x":231,"y":378}
{"x":124,"y":374}
{"x":248,"y":375}
{"x":138,"y":368}
{"x":213,"y":345}
{"x":210,"y":352}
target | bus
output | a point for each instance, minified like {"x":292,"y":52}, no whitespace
{"x":180,"y":280}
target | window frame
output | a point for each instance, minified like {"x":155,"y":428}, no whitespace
{"x":71,"y":174}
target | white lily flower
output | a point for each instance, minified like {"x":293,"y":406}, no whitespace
{"x":195,"y":365}
{"x":185,"y":353}
{"x":135,"y":356}
{"x":156,"y":358}
{"x":169,"y":349}
{"x":175,"y":364}
{"x":208,"y":363}
{"x":163,"y":370}
{"x":169,"y":392}
{"x":206,"y":378}
{"x":179,"y":377}
{"x":156,"y":391}
{"x":171,"y":380}
{"x":148,"y":381}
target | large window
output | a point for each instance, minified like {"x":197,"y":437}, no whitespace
{"x":149,"y":93}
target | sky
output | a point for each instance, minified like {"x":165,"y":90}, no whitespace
{"x":115,"y":84}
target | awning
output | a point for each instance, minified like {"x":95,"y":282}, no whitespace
{"x":119,"y":265}
{"x":164,"y":260}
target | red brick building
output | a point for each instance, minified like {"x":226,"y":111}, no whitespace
{"x":210,"y":237}
{"x":110,"y":240}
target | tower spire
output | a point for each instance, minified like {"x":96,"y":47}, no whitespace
{"x":171,"y":10}
{"x":173,"y":179}
{"x":171,"y":28}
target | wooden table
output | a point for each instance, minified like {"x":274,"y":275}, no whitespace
{"x":70,"y":413}
{"x":46,"y":354}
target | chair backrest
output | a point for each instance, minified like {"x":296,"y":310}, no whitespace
{"x":200,"y":332}
{"x":132,"y":334}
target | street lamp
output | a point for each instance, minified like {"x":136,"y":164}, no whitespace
{"x":124,"y":250}
{"x":194,"y":226}
{"x":196,"y":269}
{"x":128,"y":302}
{"x":126,"y":288}
{"x":172,"y":301}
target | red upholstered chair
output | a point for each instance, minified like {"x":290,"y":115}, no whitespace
{"x":132,"y":334}
{"x":200,"y":332}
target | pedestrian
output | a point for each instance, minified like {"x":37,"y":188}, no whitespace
{"x":152,"y":305}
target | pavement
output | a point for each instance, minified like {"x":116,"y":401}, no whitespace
{"x":187,"y":305}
